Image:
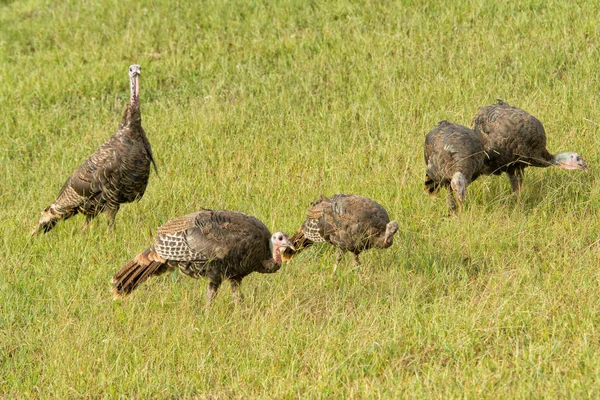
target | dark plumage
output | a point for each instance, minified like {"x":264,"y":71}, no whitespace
{"x":349,"y":222}
{"x":513,"y":140}
{"x":454,"y":157}
{"x":214,"y":244}
{"x":114,"y":174}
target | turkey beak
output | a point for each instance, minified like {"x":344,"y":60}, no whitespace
{"x":287,"y":243}
{"x":386,"y":238}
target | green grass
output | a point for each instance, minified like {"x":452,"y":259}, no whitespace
{"x":262,"y":107}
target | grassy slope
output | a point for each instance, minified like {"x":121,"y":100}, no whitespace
{"x":262,"y":108}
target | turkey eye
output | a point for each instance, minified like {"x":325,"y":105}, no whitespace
{"x":280,"y":238}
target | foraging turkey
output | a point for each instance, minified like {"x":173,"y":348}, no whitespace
{"x":114,"y":174}
{"x":513,"y":140}
{"x":454,"y":157}
{"x":214,"y":244}
{"x":349,"y":222}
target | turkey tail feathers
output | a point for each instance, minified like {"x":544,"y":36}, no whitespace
{"x":136,"y":271}
{"x":300,"y":243}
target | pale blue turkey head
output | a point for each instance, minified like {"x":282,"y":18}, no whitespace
{"x":280,"y":241}
{"x":459,"y":186}
{"x":570,"y":160}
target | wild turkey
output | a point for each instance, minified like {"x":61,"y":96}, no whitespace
{"x":349,"y":222}
{"x":454,"y":158}
{"x":513,"y":140}
{"x":114,"y":174}
{"x":214,"y":244}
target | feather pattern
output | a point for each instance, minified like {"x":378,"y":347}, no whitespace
{"x":349,"y":222}
{"x":514,"y":140}
{"x":116,"y":173}
{"x":512,"y":137}
{"x":216,"y":244}
{"x":452,"y":149}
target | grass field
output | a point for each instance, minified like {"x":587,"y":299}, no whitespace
{"x":261,"y":107}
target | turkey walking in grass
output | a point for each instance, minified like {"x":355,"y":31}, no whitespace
{"x":513,"y":140}
{"x":116,"y":173}
{"x":349,"y":222}
{"x":213,"y":244}
{"x":454,"y":157}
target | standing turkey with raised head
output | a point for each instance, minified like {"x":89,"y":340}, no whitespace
{"x":349,"y":222}
{"x":114,"y":174}
{"x":454,"y":158}
{"x":514,"y":140}
{"x":214,"y":244}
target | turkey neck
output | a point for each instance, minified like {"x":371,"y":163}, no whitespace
{"x":545,"y":160}
{"x":272,"y":264}
{"x":384,"y":243}
{"x":553,"y":159}
{"x":135,"y":90}
{"x":132,"y":118}
{"x":387,"y":242}
{"x":132,"y":121}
